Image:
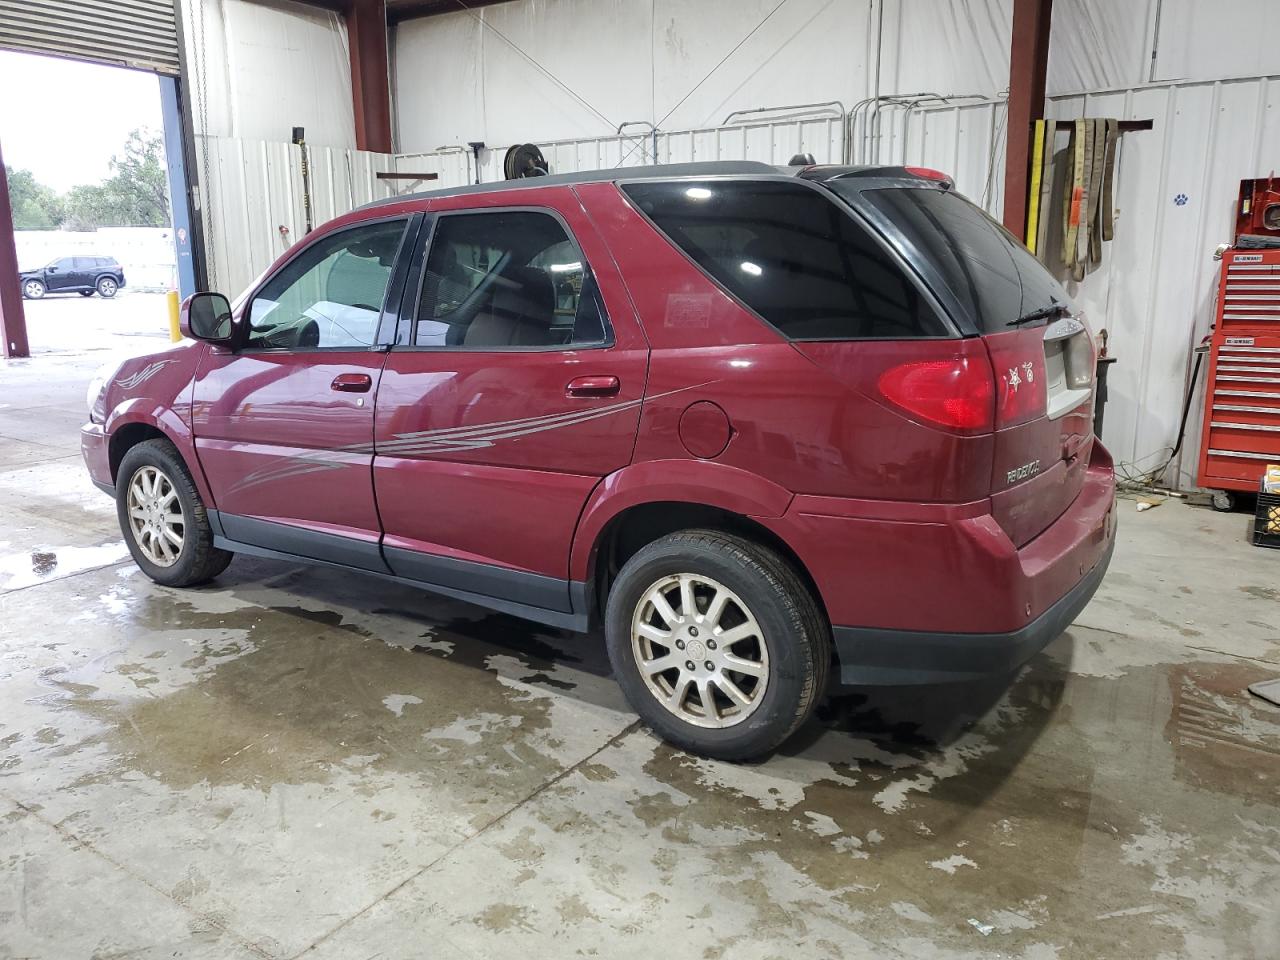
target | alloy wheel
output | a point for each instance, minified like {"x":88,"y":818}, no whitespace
{"x":33,"y":290}
{"x":700,"y":650}
{"x":155,"y":516}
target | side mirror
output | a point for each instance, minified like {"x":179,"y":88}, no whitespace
{"x":206,"y":316}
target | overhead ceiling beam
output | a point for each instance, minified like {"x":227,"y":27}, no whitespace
{"x":1028,"y":64}
{"x":400,"y":10}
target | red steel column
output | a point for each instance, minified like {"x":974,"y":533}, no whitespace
{"x":13,"y":320}
{"x":1028,"y":60}
{"x":370,"y":74}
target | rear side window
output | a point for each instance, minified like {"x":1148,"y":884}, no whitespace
{"x":792,"y":255}
{"x":989,"y":272}
{"x":510,"y":279}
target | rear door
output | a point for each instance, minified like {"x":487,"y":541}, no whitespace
{"x":1043,"y":365}
{"x":514,"y":386}
{"x":81,"y":269}
{"x":284,"y":423}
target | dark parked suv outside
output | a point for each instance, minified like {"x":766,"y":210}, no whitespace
{"x":757,"y":424}
{"x":82,"y":275}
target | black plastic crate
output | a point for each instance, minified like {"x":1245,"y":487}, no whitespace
{"x":1266,"y":524}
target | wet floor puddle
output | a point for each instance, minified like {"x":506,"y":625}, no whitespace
{"x":1148,"y":797}
{"x":28,"y":567}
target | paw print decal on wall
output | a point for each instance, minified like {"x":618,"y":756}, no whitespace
{"x":1181,"y":200}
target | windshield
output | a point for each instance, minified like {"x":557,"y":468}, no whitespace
{"x":993,"y":276}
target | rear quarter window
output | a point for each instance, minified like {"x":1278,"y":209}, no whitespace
{"x":792,"y":255}
{"x":993,"y":277}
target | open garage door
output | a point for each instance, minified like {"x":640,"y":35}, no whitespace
{"x":131,"y":33}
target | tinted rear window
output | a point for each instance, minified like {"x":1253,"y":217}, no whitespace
{"x":992,"y":275}
{"x":792,"y":255}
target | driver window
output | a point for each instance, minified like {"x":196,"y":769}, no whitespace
{"x":329,"y":296}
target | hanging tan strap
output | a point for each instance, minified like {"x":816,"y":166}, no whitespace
{"x":1096,"y":171}
{"x":1071,"y":209}
{"x":1109,"y":181}
{"x":1081,"y":252}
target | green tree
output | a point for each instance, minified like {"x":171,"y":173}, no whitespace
{"x":35,"y":206}
{"x":136,"y":194}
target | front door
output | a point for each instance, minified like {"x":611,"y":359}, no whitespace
{"x":514,"y":388}
{"x":284,"y":423}
{"x":61,"y":274}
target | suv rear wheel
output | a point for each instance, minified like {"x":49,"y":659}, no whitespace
{"x":32,"y":289}
{"x":163,"y":518}
{"x":107,"y":287}
{"x":717,"y":643}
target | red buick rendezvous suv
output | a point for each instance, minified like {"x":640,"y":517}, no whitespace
{"x":757,"y":423}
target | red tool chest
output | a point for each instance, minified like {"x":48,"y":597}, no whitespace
{"x":1242,"y":399}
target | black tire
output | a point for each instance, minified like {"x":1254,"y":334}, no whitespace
{"x":791,"y":622}
{"x":198,"y":559}
{"x":33,"y":289}
{"x":86,"y":293}
{"x":107,"y":287}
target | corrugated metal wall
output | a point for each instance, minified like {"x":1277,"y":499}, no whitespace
{"x":1154,"y":293}
{"x":250,"y":189}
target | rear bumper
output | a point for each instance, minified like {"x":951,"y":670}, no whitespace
{"x":922,"y":593}
{"x":869,"y":657}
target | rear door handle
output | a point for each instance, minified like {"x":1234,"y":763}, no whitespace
{"x":593,"y":387}
{"x":352,"y":383}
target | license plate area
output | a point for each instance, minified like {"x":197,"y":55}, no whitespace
{"x":1069,"y":365}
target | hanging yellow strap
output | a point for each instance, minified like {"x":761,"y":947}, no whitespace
{"x":1033,"y":193}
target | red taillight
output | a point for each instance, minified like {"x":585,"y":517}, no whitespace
{"x":957,"y":394}
{"x":1020,"y":377}
{"x":928,"y":173}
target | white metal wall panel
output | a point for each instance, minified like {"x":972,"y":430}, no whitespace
{"x":1101,"y":43}
{"x":252,"y":188}
{"x":131,"y":33}
{"x":773,"y":142}
{"x":965,"y":139}
{"x":1176,"y":192}
{"x":1200,"y":40}
{"x":256,"y":70}
{"x":684,"y":65}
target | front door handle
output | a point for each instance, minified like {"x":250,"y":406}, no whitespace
{"x":593,"y":387}
{"x":352,"y":383}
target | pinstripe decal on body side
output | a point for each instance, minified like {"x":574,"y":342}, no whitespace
{"x":140,"y":377}
{"x":442,"y":440}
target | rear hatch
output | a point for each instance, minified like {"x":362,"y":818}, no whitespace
{"x":1039,"y":345}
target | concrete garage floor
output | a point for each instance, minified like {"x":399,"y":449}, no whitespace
{"x":297,"y":761}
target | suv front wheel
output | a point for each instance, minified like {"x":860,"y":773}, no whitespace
{"x":164,"y":521}
{"x":717,"y":643}
{"x":32,"y":289}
